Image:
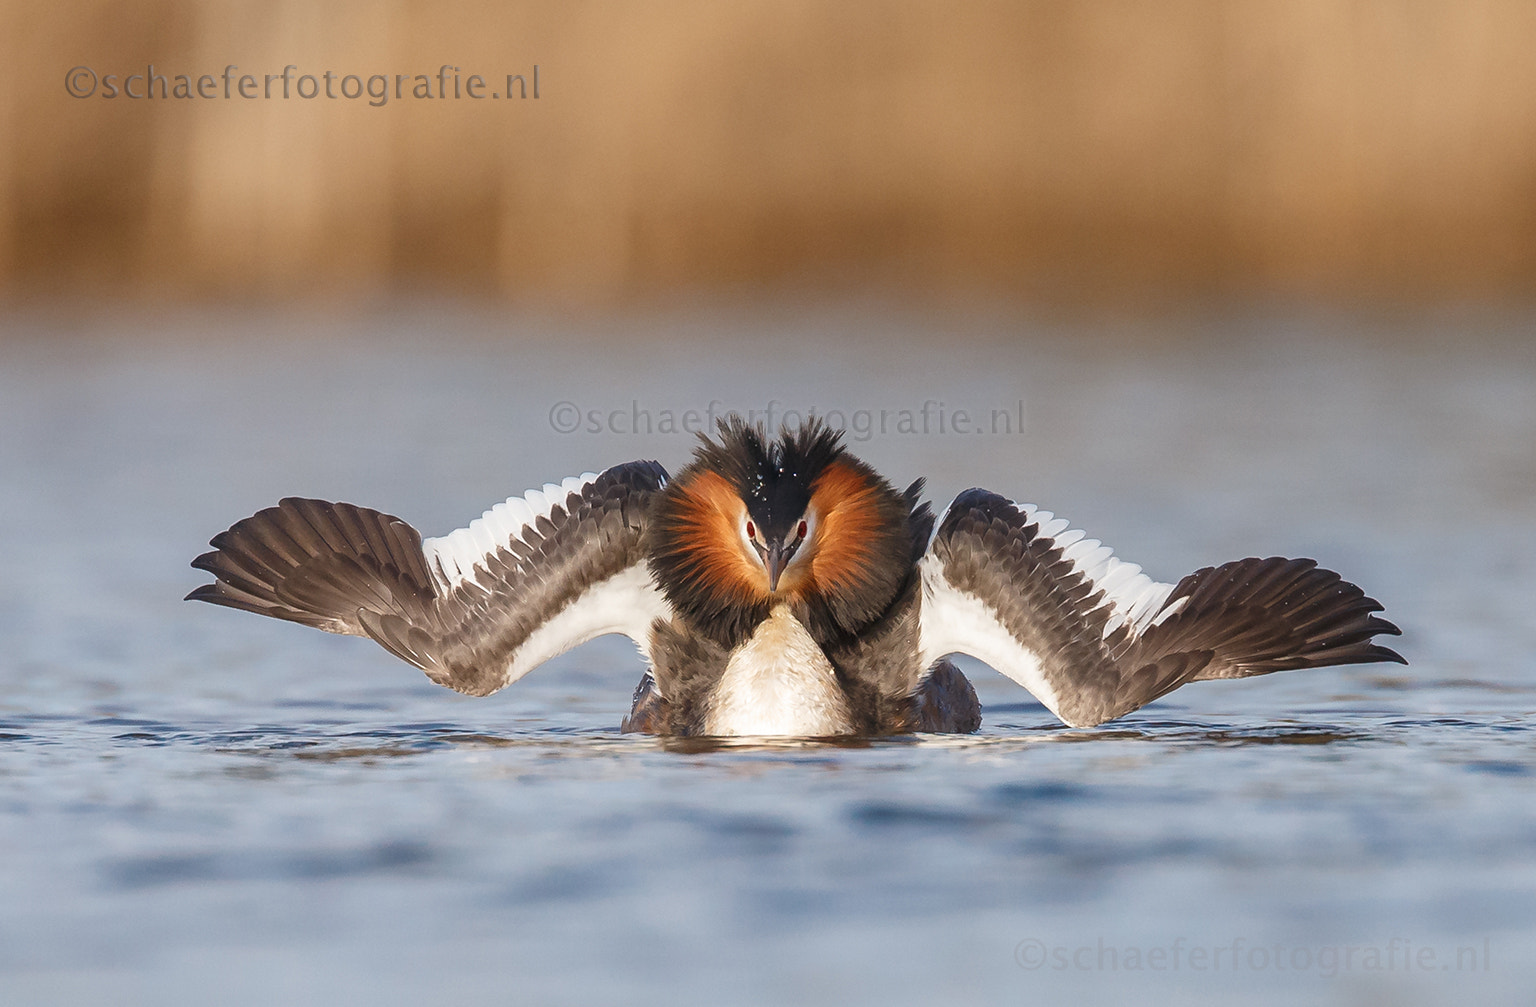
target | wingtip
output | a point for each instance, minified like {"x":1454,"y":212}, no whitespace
{"x":1383,"y":626}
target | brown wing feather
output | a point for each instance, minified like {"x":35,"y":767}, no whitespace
{"x":1249,"y":617}
{"x":348,"y":569}
{"x":1255,"y":616}
{"x":319,"y":564}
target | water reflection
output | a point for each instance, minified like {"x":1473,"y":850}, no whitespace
{"x":263,"y":865}
{"x":327,"y":743}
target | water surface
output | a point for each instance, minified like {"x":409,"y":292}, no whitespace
{"x":199,"y":805}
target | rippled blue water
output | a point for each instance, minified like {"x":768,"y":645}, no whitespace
{"x":197,"y":805}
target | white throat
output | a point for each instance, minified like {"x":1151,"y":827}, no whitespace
{"x":779,"y":684}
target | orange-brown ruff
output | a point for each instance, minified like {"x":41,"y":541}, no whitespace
{"x":709,"y":510}
{"x":862,"y":535}
{"x":848,"y":503}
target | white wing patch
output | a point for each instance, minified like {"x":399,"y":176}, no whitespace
{"x":628,"y":602}
{"x":957,"y":622}
{"x":452,"y":558}
{"x":1131,"y":596}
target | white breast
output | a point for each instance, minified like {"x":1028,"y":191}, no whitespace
{"x":779,"y":683}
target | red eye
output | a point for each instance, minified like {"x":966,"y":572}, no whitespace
{"x":751,"y":530}
{"x":800,"y":532}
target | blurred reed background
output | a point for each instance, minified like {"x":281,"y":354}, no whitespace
{"x":1331,"y":148}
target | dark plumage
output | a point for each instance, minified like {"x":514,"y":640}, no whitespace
{"x":781,"y":586}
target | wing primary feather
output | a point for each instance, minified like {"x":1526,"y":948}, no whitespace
{"x":475,"y":609}
{"x":1094,"y":638}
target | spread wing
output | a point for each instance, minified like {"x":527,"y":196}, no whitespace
{"x":1094,"y":638}
{"x":476,"y":609}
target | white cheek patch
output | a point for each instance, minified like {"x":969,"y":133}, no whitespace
{"x":805,"y":544}
{"x":747,"y":545}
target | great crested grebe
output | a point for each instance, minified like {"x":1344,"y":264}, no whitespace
{"x":781,"y":587}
